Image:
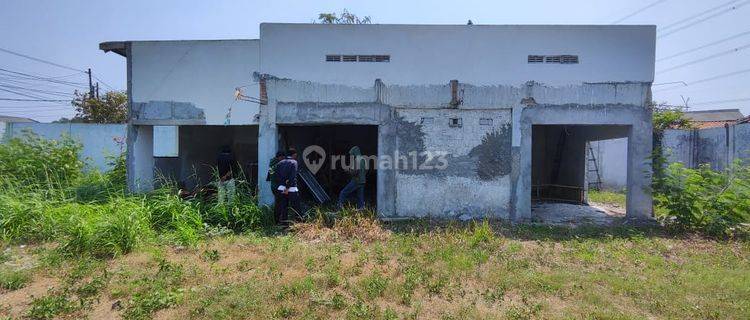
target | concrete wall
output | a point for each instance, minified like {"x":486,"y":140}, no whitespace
{"x":718,"y":147}
{"x":489,"y":170}
{"x":98,"y":140}
{"x":192,"y":82}
{"x":611,"y":158}
{"x":477,"y":54}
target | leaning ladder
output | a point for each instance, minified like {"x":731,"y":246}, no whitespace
{"x":594,"y":167}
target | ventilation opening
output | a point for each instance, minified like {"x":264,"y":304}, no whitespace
{"x":552,"y":59}
{"x":569,"y":59}
{"x":455,"y":122}
{"x":358,"y":58}
{"x":536,"y":59}
{"x":559,"y":59}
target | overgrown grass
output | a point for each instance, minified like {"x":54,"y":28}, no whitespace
{"x":607,"y":197}
{"x":446,"y":270}
{"x":45,"y":196}
{"x":98,"y":252}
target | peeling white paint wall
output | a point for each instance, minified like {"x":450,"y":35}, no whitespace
{"x":203,"y":73}
{"x":477,"y":54}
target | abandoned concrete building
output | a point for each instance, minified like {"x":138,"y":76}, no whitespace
{"x":506,"y":109}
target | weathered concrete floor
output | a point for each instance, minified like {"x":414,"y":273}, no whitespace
{"x":566,"y":214}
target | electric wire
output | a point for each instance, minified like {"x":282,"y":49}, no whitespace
{"x":713,"y":56}
{"x":636,"y":12}
{"x":678,"y":29}
{"x":675,"y":55}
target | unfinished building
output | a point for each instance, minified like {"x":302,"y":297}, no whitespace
{"x":460,"y":119}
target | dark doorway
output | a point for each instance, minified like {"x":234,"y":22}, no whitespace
{"x":199,"y":147}
{"x":336,"y":141}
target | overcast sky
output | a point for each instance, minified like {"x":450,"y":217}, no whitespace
{"x":68,"y":33}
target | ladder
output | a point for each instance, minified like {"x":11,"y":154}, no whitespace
{"x":594,"y":167}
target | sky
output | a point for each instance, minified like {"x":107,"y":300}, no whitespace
{"x":708,"y":50}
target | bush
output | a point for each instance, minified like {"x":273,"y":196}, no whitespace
{"x":705,"y":200}
{"x":31,"y":161}
{"x":13,"y":280}
{"x":44,"y":195}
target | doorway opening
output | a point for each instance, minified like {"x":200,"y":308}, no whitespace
{"x":198,"y":150}
{"x":562,"y":171}
{"x":332,"y":171}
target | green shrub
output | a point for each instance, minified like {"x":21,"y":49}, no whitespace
{"x":49,"y":306}
{"x":31,"y":161}
{"x":713,"y":202}
{"x":44,"y":195}
{"x":13,"y":280}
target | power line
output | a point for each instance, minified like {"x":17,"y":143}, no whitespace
{"x":50,"y":106}
{"x":678,"y":29}
{"x":26,"y":76}
{"x":742,"y":34}
{"x":713,"y":56}
{"x":717,"y":77}
{"x":638,"y":11}
{"x":49,"y":92}
{"x":57,"y":109}
{"x":55,"y":64}
{"x":40,"y":60}
{"x":697,"y":15}
{"x":104,"y":83}
{"x":36,"y":100}
{"x":28,"y":95}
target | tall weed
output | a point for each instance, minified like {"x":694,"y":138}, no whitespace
{"x":713,"y":202}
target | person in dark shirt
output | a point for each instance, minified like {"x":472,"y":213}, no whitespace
{"x":286,"y":176}
{"x":357,"y":182}
{"x":226,"y":185}
{"x":271,"y":177}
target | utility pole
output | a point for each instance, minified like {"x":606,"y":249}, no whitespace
{"x":91,"y":86}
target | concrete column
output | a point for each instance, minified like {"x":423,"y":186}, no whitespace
{"x":268,"y":144}
{"x":386,"y":181}
{"x":522,"y":186}
{"x":140,"y":158}
{"x":639,"y":201}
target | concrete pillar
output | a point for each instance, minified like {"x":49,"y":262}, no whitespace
{"x":522,"y":186}
{"x":140,"y":158}
{"x":639,"y":201}
{"x":386,"y":181}
{"x":268,"y":144}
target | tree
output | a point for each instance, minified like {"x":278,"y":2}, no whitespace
{"x":345,"y":18}
{"x":669,"y":117}
{"x":664,"y":117}
{"x":110,"y":108}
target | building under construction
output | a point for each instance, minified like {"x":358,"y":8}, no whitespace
{"x":493,"y":116}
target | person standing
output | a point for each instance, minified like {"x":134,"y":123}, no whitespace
{"x":271,"y":177}
{"x":224,"y":164}
{"x":286,"y":175}
{"x":357,"y":182}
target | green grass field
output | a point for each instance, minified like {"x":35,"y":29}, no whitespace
{"x":418,"y":270}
